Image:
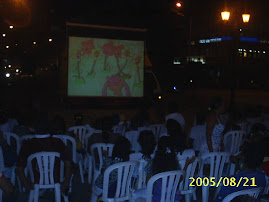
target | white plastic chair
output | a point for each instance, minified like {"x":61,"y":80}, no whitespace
{"x":217,"y":161}
{"x":9,"y":137}
{"x":170,"y":185}
{"x":77,"y":158}
{"x":120,"y":128}
{"x":123,"y":190}
{"x":45,"y":165}
{"x":254,"y":193}
{"x":139,"y":172}
{"x":80,"y":131}
{"x":88,"y":160}
{"x":193,"y":170}
{"x":157,"y":130}
{"x":233,"y":140}
{"x":12,"y":137}
{"x":99,"y":149}
{"x":132,"y":136}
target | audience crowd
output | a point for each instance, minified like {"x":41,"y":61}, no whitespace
{"x":162,"y":147}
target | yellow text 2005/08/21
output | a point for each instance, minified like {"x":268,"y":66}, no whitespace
{"x":223,"y":181}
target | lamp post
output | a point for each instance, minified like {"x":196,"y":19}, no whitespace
{"x":225,"y":16}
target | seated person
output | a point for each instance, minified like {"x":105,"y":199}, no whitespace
{"x":196,"y":132}
{"x":120,"y":153}
{"x":165,"y":160}
{"x":49,"y":144}
{"x":6,"y":186}
{"x":174,"y":114}
{"x":147,"y":142}
{"x":253,"y":155}
{"x":178,"y":137}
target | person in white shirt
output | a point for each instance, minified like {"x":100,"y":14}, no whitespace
{"x":174,"y":114}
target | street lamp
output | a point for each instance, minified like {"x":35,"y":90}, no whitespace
{"x":178,"y":4}
{"x":245,"y":17}
{"x":225,"y":15}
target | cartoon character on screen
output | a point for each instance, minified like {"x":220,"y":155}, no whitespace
{"x":115,"y":83}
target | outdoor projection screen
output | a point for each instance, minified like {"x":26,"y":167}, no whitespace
{"x":105,"y":67}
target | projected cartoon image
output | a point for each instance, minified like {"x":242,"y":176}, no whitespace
{"x":105,"y":67}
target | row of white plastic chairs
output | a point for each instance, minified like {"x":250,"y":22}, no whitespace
{"x":218,"y":161}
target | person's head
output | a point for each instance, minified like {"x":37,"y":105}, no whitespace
{"x":147,"y":142}
{"x":200,"y":118}
{"x":217,"y":105}
{"x":122,"y":148}
{"x":172,"y":107}
{"x":174,"y":128}
{"x":165,"y":158}
{"x":253,"y":155}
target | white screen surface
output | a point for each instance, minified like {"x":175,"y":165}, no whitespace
{"x":105,"y":67}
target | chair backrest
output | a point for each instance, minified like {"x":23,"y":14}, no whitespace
{"x":120,"y":128}
{"x":69,"y":140}
{"x":157,"y":130}
{"x":45,"y":164}
{"x":217,"y":161}
{"x":233,"y":140}
{"x":132,"y":136}
{"x":169,"y":183}
{"x":89,"y":134}
{"x":12,"y":137}
{"x":192,"y":170}
{"x":27,"y":137}
{"x":140,"y":172}
{"x":79,"y":131}
{"x":124,"y":175}
{"x":102,"y":149}
{"x":254,"y":193}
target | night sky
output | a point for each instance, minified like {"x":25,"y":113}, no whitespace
{"x":39,"y":20}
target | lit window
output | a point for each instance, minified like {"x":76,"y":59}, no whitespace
{"x":245,"y":54}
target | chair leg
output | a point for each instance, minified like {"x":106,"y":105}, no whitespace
{"x":205,"y":193}
{"x":57,"y":192}
{"x":89,"y":170}
{"x":36,"y":193}
{"x":71,"y":183}
{"x":19,"y":184}
{"x":194,"y":195}
{"x":31,"y":196}
{"x":94,"y":197}
{"x":13,"y":176}
{"x":81,"y":171}
{"x":187,"y":197}
{"x":232,"y":169}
